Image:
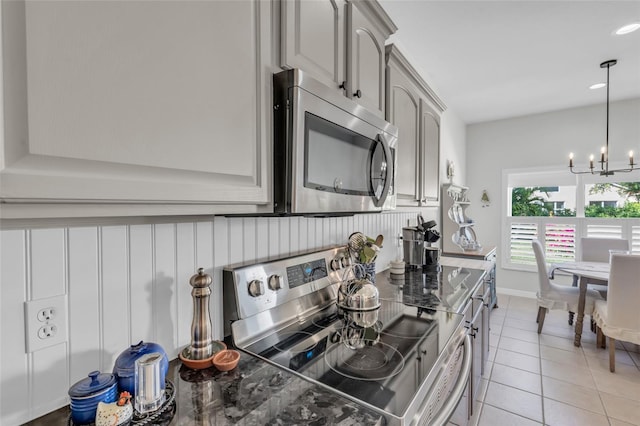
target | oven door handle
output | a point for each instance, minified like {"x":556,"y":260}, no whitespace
{"x":455,"y":396}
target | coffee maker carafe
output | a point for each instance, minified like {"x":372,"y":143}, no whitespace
{"x":416,"y":243}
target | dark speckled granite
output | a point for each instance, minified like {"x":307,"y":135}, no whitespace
{"x":254,"y":393}
{"x":257,"y":393}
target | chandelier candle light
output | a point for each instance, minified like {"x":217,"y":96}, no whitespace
{"x":604,"y":152}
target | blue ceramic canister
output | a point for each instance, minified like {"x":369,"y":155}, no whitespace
{"x":88,"y":392}
{"x":125,"y":366}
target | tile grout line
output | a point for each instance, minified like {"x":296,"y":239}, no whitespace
{"x":501,"y":408}
{"x":541,"y":384}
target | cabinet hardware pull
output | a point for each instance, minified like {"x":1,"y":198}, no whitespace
{"x":343,"y":85}
{"x":358,"y":94}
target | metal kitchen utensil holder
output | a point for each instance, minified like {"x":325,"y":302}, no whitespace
{"x":358,"y":293}
{"x":356,"y":271}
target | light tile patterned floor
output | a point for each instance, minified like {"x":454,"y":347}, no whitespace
{"x":544,"y":379}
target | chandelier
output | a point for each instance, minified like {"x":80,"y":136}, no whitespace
{"x":604,"y":152}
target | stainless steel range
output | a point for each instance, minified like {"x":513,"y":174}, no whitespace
{"x":408,"y":361}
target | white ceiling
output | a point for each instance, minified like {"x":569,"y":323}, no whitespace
{"x":490,"y":60}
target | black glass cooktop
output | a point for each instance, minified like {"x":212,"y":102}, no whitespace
{"x":445,"y":288}
{"x":379,"y":357}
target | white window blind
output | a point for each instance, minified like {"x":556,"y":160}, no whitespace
{"x":560,"y":242}
{"x":559,"y":237}
{"x":520,"y":249}
{"x":635,"y":239}
{"x":601,"y":230}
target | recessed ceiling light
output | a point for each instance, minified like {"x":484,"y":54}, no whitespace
{"x":597,"y":86}
{"x":628,"y":28}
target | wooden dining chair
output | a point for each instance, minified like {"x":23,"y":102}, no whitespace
{"x":555,"y":296}
{"x":618,"y":317}
{"x":594,"y":249}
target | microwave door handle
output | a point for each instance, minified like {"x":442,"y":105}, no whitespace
{"x":389,"y":170}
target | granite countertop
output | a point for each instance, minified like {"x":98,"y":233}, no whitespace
{"x":482,"y":253}
{"x":472,"y":263}
{"x":258,"y":393}
{"x":254,"y":393}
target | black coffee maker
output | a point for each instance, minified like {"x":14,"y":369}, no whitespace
{"x":416,"y":244}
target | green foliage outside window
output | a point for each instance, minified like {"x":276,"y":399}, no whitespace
{"x":628,"y":190}
{"x":624,"y":189}
{"x":629,"y":209}
{"x":528,"y":202}
{"x":525,"y":202}
{"x":564,"y":213}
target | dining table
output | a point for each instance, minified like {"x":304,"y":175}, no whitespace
{"x":587,"y":273}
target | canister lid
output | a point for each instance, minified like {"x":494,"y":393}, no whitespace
{"x":95,"y":383}
{"x":125,"y":363}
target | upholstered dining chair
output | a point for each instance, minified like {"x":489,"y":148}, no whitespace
{"x":555,"y":296}
{"x":594,"y":249}
{"x":618,"y":317}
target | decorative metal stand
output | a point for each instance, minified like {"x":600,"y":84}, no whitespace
{"x":161,"y":416}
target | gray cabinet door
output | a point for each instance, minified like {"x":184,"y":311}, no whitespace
{"x":164,"y":106}
{"x":411,"y":107}
{"x":366,"y":61}
{"x":430,"y":145}
{"x":313,"y":39}
{"x":403,"y":112}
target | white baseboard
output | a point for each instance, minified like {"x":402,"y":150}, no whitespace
{"x":513,"y":292}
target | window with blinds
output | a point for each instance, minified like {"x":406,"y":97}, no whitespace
{"x":558,"y":229}
{"x":558,"y":240}
{"x":520,"y":249}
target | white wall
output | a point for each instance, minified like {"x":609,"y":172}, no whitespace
{"x":453,"y":147}
{"x":541,"y":140}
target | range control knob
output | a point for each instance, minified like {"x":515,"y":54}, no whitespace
{"x":275,"y":282}
{"x":346,"y":262}
{"x":336,"y":263}
{"x":256,"y":288}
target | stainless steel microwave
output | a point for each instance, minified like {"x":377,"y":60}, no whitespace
{"x":331,"y":155}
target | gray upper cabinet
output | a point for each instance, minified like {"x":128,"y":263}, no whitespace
{"x":404,"y":112}
{"x":136,"y":108}
{"x":340,"y":43}
{"x":415,"y":109}
{"x":313,"y":38}
{"x":368,"y":30}
{"x":430,"y":155}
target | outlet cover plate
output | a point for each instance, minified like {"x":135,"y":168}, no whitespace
{"x":33,"y":324}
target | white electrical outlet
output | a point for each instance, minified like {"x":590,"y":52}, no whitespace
{"x":45,"y":322}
